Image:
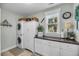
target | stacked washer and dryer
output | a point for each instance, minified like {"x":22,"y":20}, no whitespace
{"x":26,"y":32}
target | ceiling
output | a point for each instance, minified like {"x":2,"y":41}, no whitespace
{"x":26,"y":9}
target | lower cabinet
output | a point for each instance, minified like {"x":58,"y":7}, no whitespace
{"x":46,"y":48}
{"x":69,"y":49}
{"x":41,"y":47}
{"x":52,"y":48}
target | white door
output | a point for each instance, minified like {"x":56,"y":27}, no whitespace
{"x":29,"y":30}
{"x":32,"y":33}
{"x":0,"y":32}
{"x":69,"y":49}
{"x":25,"y":35}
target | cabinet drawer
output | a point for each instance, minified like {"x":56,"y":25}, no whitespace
{"x":68,"y":46}
{"x":54,"y":44}
{"x":41,"y":41}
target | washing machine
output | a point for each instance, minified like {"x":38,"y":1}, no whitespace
{"x":19,"y":42}
{"x":20,"y":34}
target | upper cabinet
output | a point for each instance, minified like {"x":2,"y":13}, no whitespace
{"x":53,"y":21}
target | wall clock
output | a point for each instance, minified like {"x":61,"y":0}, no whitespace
{"x":66,"y":15}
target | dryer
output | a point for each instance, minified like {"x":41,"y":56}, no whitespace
{"x":19,"y":40}
{"x":20,"y":26}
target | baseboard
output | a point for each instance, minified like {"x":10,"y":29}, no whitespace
{"x":8,"y":48}
{"x":38,"y":54}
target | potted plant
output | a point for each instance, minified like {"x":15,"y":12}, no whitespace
{"x":40,"y":29}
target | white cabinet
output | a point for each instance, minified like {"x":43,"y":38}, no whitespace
{"x":52,"y":48}
{"x":41,"y":47}
{"x":69,"y":49}
{"x":29,"y":32}
{"x":45,"y":47}
{"x":26,"y":36}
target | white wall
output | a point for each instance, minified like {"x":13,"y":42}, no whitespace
{"x":8,"y":33}
{"x":64,"y":7}
{"x":0,"y":31}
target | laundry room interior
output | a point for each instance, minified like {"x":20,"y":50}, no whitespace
{"x":39,"y":29}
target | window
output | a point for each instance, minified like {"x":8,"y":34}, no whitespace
{"x":52,"y":22}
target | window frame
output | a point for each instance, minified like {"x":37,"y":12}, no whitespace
{"x":55,"y":13}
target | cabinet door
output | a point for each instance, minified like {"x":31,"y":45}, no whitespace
{"x":26,"y":35}
{"x":41,"y":47}
{"x":54,"y":48}
{"x":31,"y":43}
{"x":38,"y":46}
{"x":45,"y":47}
{"x":32,"y":32}
{"x":69,"y":49}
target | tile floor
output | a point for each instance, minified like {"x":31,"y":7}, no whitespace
{"x":17,"y":52}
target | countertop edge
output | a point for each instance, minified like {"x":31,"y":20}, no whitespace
{"x":69,"y":42}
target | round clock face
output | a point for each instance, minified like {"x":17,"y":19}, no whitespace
{"x":66,"y":15}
